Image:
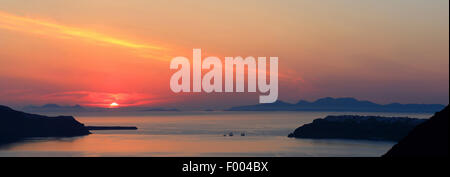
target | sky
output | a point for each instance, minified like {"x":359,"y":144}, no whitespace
{"x":94,"y":53}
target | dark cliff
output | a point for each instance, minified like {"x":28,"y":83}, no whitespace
{"x":427,"y":139}
{"x":17,"y":125}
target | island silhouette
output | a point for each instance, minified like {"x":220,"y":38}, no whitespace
{"x":357,"y":127}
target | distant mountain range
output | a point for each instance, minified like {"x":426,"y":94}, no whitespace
{"x":340,"y":105}
{"x":324,"y":104}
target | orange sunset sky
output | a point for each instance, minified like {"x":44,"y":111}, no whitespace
{"x":95,"y":52}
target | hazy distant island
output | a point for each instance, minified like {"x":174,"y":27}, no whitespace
{"x":357,"y":127}
{"x":162,"y":109}
{"x":17,"y":125}
{"x":427,"y":139}
{"x":111,"y":127}
{"x":341,"y":105}
{"x":54,"y":108}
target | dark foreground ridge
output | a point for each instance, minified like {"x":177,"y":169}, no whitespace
{"x":427,"y":139}
{"x":341,"y":105}
{"x":110,"y":128}
{"x":357,"y":127}
{"x":16,"y":125}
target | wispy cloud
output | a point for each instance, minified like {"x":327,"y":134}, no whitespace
{"x":44,"y":27}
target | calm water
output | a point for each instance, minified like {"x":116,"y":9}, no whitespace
{"x":200,"y":134}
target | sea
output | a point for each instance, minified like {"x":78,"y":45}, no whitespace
{"x":200,"y":134}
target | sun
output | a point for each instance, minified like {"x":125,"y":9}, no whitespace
{"x":113,"y":105}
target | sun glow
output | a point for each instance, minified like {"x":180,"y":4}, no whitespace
{"x":114,"y":105}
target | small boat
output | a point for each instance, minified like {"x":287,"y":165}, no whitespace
{"x":230,"y":134}
{"x":242,"y":134}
